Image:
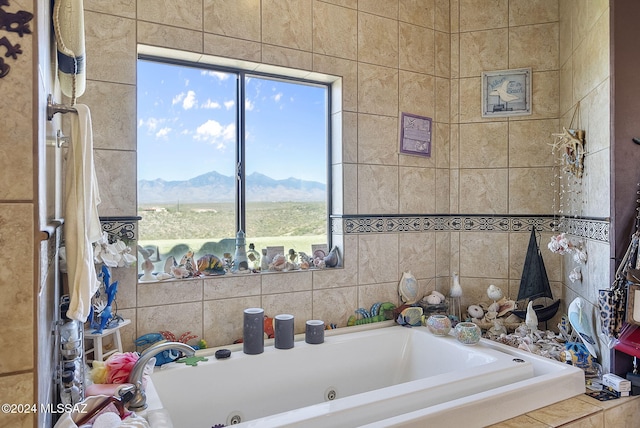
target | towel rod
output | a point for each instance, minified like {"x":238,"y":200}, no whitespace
{"x":53,"y":108}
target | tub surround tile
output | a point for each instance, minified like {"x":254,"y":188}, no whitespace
{"x":124,"y":8}
{"x":335,"y":30}
{"x":127,"y":286}
{"x":223,"y":319}
{"x":231,"y":286}
{"x":529,"y":190}
{"x":377,"y":137}
{"x":335,"y":305}
{"x":351,"y":4}
{"x":117,"y":185}
{"x":369,"y":294}
{"x":128,"y":333}
{"x":443,"y":190}
{"x":483,"y":50}
{"x":484,"y":254}
{"x":169,"y":292}
{"x":483,"y":14}
{"x":297,"y":304}
{"x":529,"y":142}
{"x":443,"y":99}
{"x":376,"y":260}
{"x":113,"y":114}
{"x":232,"y":48}
{"x":417,"y":181}
{"x":115,"y":39}
{"x":18,"y":389}
{"x":442,"y":54}
{"x":596,"y":181}
{"x":564,"y":412}
{"x":186,"y":14}
{"x":377,"y":90}
{"x":534,"y":46}
{"x":16,"y":311}
{"x":177,"y":318}
{"x":418,"y":12}
{"x":237,"y":19}
{"x":350,"y":188}
{"x":598,"y":113}
{"x":544,"y":96}
{"x":417,"y":48}
{"x":151,"y":33}
{"x":520,"y":421}
{"x":416,"y":254}
{"x":377,"y":40}
{"x":417,"y":95}
{"x":526,"y":12}
{"x":377,"y":188}
{"x":287,"y":23}
{"x":278,"y":283}
{"x":346,"y":69}
{"x":484,"y":145}
{"x":349,"y":131}
{"x":387,"y":8}
{"x":286,"y":57}
{"x":484,"y":190}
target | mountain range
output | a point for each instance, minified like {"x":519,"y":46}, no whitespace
{"x":215,"y":187}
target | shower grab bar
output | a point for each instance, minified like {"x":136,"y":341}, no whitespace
{"x":53,"y":108}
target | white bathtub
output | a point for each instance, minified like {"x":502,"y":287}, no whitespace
{"x":392,"y":376}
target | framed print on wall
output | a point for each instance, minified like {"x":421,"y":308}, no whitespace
{"x":506,"y":92}
{"x":415,"y":135}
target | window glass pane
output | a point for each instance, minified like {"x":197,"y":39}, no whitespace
{"x":186,"y":146}
{"x":285,"y":163}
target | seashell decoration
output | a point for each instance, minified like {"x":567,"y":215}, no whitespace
{"x":475,"y":311}
{"x":408,"y":288}
{"x":333,"y":258}
{"x":210,"y":264}
{"x":494,"y":293}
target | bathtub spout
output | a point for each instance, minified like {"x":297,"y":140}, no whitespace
{"x":139,"y":401}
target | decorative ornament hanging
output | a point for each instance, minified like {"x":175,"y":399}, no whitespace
{"x":15,"y":23}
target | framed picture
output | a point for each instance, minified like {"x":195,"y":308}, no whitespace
{"x":506,"y":93}
{"x":415,"y":135}
{"x":633,"y":304}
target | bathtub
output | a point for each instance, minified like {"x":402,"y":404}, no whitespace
{"x":376,"y":377}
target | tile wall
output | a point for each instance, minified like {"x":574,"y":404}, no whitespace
{"x":422,"y":57}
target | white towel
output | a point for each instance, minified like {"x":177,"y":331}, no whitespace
{"x":82,"y":224}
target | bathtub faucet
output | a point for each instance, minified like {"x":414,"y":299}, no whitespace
{"x":139,"y":400}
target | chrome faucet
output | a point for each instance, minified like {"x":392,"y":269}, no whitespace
{"x":139,"y":400}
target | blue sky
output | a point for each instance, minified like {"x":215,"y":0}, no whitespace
{"x":186,"y":125}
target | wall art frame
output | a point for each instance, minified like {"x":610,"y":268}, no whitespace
{"x":415,"y":135}
{"x":506,"y":93}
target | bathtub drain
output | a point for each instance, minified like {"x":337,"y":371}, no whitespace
{"x":330,"y":394}
{"x":234,"y":418}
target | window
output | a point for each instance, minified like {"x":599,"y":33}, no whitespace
{"x":223,"y":149}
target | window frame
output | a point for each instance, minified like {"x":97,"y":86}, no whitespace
{"x":241,"y":74}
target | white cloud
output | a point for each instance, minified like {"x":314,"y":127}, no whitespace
{"x":178,"y":98}
{"x":229,"y":104}
{"x":151,"y":123}
{"x":163,"y":133}
{"x":248,"y":105}
{"x":277,"y":96}
{"x":215,"y":133}
{"x":216,"y":74}
{"x":190,"y":101}
{"x":210,"y":104}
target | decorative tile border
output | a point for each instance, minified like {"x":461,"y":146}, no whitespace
{"x":587,"y":228}
{"x":123,"y":228}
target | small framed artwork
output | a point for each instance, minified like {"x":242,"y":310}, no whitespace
{"x":633,"y":304}
{"x":415,"y":135}
{"x":506,"y":93}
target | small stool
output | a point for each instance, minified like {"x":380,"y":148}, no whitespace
{"x":98,"y":351}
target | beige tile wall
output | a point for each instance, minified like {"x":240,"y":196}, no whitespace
{"x":423,"y":57}
{"x":585,"y":91}
{"x":18,"y":222}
